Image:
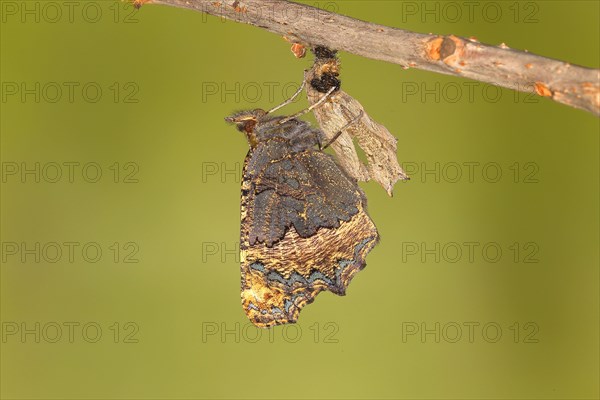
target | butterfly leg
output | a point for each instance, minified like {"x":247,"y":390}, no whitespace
{"x":309,"y":109}
{"x":338,"y":133}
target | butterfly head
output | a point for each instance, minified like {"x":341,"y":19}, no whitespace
{"x":246,"y":122}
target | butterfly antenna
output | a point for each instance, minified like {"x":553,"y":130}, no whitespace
{"x":288,"y":101}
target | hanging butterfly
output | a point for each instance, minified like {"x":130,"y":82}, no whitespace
{"x":304,"y":222}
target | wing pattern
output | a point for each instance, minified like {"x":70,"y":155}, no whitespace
{"x":304,"y":229}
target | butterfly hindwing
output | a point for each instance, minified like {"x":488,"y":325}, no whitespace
{"x":304,"y":229}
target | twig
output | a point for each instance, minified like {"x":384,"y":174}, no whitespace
{"x":565,"y":83}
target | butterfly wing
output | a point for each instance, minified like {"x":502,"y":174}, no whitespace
{"x":304,"y":229}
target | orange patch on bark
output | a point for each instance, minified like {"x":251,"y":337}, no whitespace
{"x":298,"y":50}
{"x":432,"y":49}
{"x":542,"y":90}
{"x":449,"y":49}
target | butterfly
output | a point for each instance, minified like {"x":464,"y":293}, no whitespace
{"x":304,"y":222}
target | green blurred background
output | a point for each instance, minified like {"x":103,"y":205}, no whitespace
{"x":422,"y":321}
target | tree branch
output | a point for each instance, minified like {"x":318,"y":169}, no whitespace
{"x":569,"y":84}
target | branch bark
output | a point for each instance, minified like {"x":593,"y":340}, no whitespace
{"x":569,"y":84}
